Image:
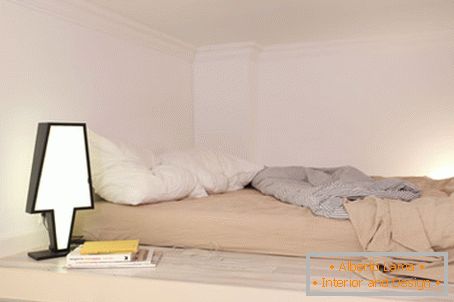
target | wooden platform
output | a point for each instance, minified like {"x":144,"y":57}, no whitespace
{"x":181,"y":275}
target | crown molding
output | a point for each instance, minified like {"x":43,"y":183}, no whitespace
{"x":316,"y":48}
{"x":228,"y":51}
{"x":378,"y":42}
{"x":88,"y":15}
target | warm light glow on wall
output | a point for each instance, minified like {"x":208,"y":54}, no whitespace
{"x":443,"y":172}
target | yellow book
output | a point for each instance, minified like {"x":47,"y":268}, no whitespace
{"x":110,"y":247}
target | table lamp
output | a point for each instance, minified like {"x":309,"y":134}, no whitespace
{"x":60,"y":183}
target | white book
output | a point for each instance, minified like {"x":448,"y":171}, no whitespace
{"x":76,"y":257}
{"x":142,"y":259}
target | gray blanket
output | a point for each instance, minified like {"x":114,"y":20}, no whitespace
{"x":324,"y":190}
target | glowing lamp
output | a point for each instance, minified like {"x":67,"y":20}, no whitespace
{"x":60,"y":182}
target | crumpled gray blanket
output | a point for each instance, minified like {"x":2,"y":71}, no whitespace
{"x":324,"y":190}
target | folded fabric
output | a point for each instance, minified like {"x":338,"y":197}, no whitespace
{"x":424,"y":225}
{"x":324,"y":190}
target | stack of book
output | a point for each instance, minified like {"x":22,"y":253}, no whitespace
{"x":111,"y":254}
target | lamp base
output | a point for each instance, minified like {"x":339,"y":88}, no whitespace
{"x":47,"y":254}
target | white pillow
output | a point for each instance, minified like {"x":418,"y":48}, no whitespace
{"x":216,"y":172}
{"x":121,"y":175}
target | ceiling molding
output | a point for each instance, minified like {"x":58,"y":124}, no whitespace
{"x":216,"y":52}
{"x":420,"y":36}
{"x":316,"y":48}
{"x":97,"y":18}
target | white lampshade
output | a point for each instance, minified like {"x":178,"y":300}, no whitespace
{"x":60,"y":182}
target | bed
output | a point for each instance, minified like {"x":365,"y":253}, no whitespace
{"x":241,"y":221}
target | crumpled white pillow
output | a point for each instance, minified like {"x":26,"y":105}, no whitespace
{"x":216,"y":172}
{"x":121,"y":175}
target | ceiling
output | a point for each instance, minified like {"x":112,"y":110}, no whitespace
{"x":205,"y":22}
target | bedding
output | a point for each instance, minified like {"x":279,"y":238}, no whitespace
{"x":243,"y":221}
{"x":426,"y":224}
{"x":324,"y":190}
{"x":215,"y":172}
{"x":126,"y":175}
{"x":121,"y":175}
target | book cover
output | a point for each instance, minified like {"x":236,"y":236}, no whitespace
{"x":75,"y":257}
{"x":144,"y":258}
{"x":109,"y":247}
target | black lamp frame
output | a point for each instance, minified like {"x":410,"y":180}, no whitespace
{"x":42,"y":138}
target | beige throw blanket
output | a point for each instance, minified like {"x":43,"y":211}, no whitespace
{"x":425,"y":224}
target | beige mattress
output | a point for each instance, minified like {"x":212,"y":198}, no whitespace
{"x":244,"y":221}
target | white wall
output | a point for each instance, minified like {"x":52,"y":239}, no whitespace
{"x":385,"y":105}
{"x":225,"y":99}
{"x":53,"y":69}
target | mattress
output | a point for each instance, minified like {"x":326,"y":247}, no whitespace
{"x":243,"y":221}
